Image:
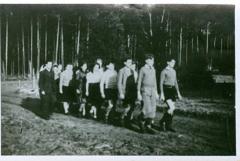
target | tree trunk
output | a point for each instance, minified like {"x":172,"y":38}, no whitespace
{"x":78,"y":36}
{"x":62,"y":47}
{"x":1,"y":40}
{"x":192,"y":46}
{"x":170,"y":41}
{"x":57,"y":39}
{"x":163,"y":14}
{"x":128,"y":43}
{"x":214,"y":42}
{"x":12,"y":68}
{"x":6,"y":49}
{"x":18,"y":52}
{"x":135,"y":47}
{"x":46,"y":39}
{"x":186,"y":52}
{"x":180,"y":48}
{"x":38,"y":46}
{"x":228,"y":44}
{"x":87,"y":39}
{"x":221,"y":47}
{"x":31,"y":49}
{"x":23,"y":52}
{"x":207,"y":39}
{"x":3,"y":70}
{"x":197,"y":45}
{"x":150,"y":23}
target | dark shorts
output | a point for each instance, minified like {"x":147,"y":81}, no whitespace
{"x":67,"y":95}
{"x":130,"y":97}
{"x":94,"y":97}
{"x":111,"y":94}
{"x":169,"y":92}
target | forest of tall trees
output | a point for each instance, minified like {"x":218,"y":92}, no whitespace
{"x":199,"y":37}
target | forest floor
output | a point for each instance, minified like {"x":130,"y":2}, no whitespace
{"x":204,"y":127}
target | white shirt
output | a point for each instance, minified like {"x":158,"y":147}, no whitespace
{"x":94,"y":77}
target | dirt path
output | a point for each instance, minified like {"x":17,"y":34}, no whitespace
{"x":25,"y":133}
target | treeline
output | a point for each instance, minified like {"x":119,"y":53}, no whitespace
{"x":199,"y":37}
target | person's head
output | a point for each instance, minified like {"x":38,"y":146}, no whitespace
{"x":96,"y":67}
{"x":84,"y":66}
{"x":55,"y":67}
{"x":128,"y":62}
{"x":60,"y":67}
{"x":99,"y":61}
{"x":69,"y":67}
{"x":111,"y":66}
{"x":134,"y":65}
{"x":149,"y":59}
{"x":48,"y":65}
{"x":171,"y":63}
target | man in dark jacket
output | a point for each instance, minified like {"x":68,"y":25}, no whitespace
{"x":47,"y":90}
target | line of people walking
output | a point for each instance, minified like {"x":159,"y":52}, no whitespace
{"x":127,"y":97}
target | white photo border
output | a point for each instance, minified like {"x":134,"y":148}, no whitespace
{"x":148,"y":158}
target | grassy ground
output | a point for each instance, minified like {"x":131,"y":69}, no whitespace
{"x":204,"y":127}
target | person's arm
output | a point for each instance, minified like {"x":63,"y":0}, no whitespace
{"x":155,"y":84}
{"x":41,"y":82}
{"x":61,"y":83}
{"x":136,"y":75}
{"x":54,"y":83}
{"x":87,"y":85}
{"x":102,"y":85}
{"x":162,"y":78}
{"x":77,"y":83}
{"x":177,"y":89}
{"x":119,"y":83}
{"x":140,"y":77}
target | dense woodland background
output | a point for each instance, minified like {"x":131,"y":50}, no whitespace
{"x":200,"y":37}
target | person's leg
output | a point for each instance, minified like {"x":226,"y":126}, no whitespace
{"x":141,"y":121}
{"x":126,"y":108}
{"x":162,"y":121}
{"x":66,"y":107}
{"x":45,"y":104}
{"x":53,"y":103}
{"x":146,"y":112}
{"x":169,"y":114}
{"x":151,"y":115}
{"x":82,"y":108}
{"x":108,"y":110}
{"x":130,"y":113}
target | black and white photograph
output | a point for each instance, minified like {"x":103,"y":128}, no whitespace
{"x":118,"y":80}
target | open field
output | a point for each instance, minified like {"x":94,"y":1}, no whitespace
{"x":204,"y":127}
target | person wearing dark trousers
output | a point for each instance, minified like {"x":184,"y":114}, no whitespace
{"x":57,"y":73}
{"x":47,"y":90}
{"x":147,"y":92}
{"x":80,"y":88}
{"x":93,"y":90}
{"x":131,"y":92}
{"x":65,"y":88}
{"x":123,"y":75}
{"x":169,"y":90}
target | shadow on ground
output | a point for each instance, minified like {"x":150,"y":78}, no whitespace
{"x":33,"y":105}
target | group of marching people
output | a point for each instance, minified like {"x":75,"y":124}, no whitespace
{"x":100,"y":92}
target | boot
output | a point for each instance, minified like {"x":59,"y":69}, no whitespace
{"x":169,"y":123}
{"x":128,"y":121}
{"x":162,"y":122}
{"x":108,"y":110}
{"x":148,"y":126}
{"x":122,"y":122}
{"x":141,"y":123}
